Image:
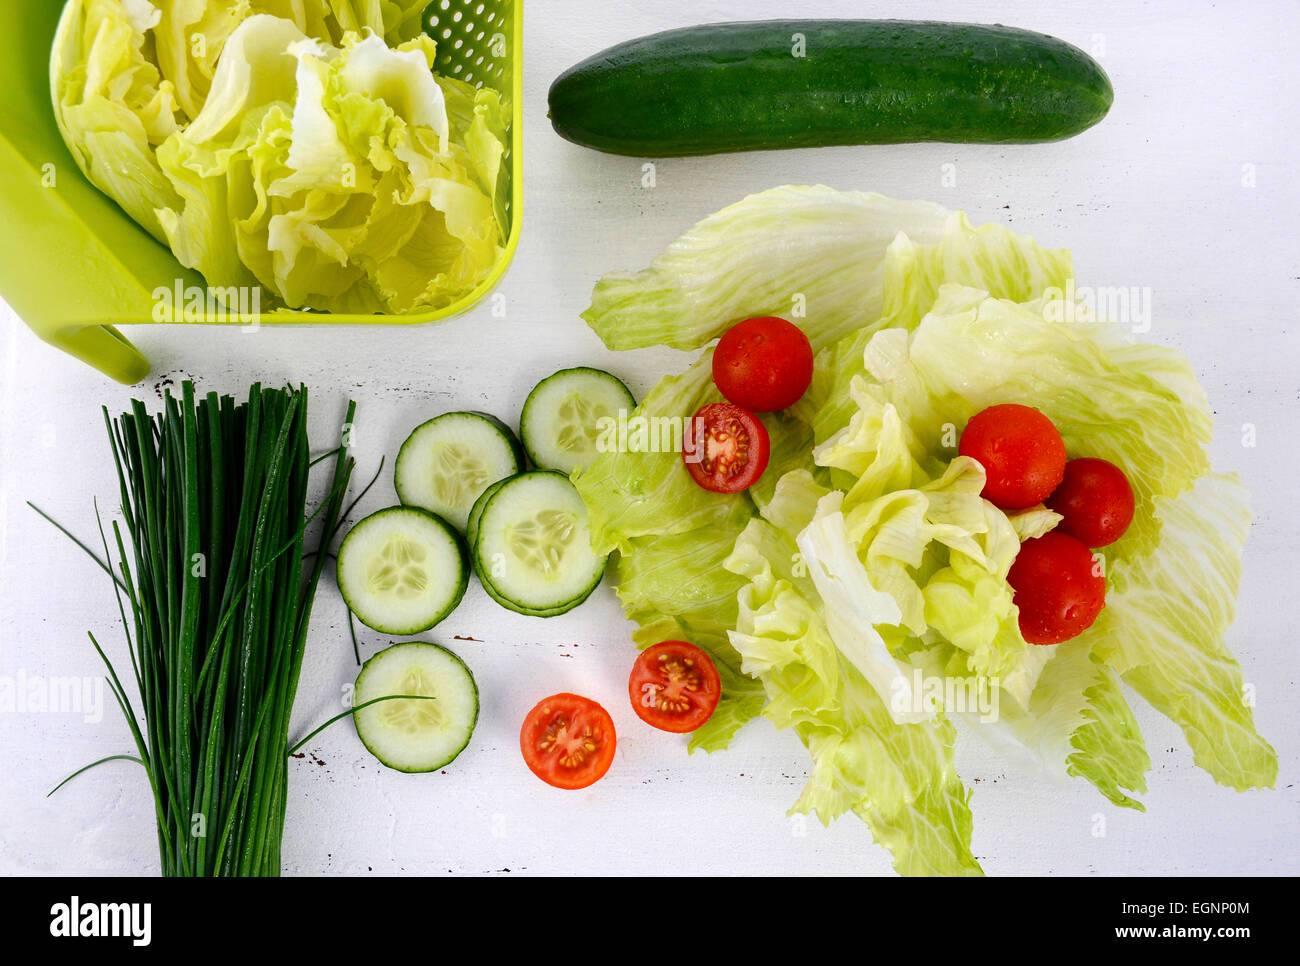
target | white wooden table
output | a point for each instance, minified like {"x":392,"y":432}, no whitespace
{"x":1190,"y":187}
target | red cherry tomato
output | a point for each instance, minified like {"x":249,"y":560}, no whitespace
{"x":674,"y":686}
{"x":1095,"y":500}
{"x":568,"y":741}
{"x":726,"y":448}
{"x":763,"y":364}
{"x":1058,"y":588}
{"x":1021,"y":452}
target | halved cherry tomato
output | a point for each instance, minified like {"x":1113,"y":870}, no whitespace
{"x":674,"y":686}
{"x":1058,"y":588}
{"x":568,"y":741}
{"x":1021,"y":451}
{"x":725,"y":448}
{"x":763,"y":364}
{"x":1095,"y":500}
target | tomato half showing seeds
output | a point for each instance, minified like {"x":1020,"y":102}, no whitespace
{"x":1058,"y":587}
{"x":763,"y":364}
{"x":1021,"y":452}
{"x":674,"y":686}
{"x":1095,"y":500}
{"x":568,"y":741}
{"x":725,"y":448}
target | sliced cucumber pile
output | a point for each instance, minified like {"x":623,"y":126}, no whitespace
{"x":533,"y":549}
{"x":402,"y":570}
{"x":561,"y":421}
{"x":447,"y":463}
{"x":414,"y":735}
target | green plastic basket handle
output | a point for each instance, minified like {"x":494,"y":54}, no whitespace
{"x":71,"y":261}
{"x":63,"y":279}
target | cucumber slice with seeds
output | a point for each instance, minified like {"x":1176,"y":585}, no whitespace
{"x":412,"y":735}
{"x":447,"y":462}
{"x":561,"y":421}
{"x":402,"y":570}
{"x":533,"y":553}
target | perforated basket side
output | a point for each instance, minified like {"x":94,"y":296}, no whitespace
{"x":476,"y":41}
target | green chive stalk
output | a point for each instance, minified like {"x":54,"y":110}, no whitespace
{"x":215,"y":590}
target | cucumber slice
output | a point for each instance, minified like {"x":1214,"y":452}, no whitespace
{"x":402,"y":570}
{"x":471,"y":525}
{"x":446,"y":463}
{"x":560,"y":424}
{"x":526,"y":611}
{"x":411,"y":735}
{"x":533,"y":552}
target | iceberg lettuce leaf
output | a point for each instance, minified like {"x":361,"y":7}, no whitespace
{"x":898,"y":777}
{"x":1108,"y":398}
{"x":810,"y":254}
{"x":1163,"y":628}
{"x":638,"y":486}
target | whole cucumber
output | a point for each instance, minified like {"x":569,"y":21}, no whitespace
{"x":810,"y":83}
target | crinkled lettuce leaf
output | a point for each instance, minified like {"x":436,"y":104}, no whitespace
{"x":812,"y":255}
{"x":1164,"y":623}
{"x":1033,"y":522}
{"x":302,"y":147}
{"x":1108,"y":397}
{"x":640,"y":487}
{"x":112,"y":104}
{"x":1106,"y":747}
{"x":991,"y":258}
{"x":921,"y":534}
{"x":1076,"y":722}
{"x":898,"y":777}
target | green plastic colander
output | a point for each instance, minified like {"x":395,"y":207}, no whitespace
{"x":74,"y":266}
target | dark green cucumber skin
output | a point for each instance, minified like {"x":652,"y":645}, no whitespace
{"x":738,"y":87}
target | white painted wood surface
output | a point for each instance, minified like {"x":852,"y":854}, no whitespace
{"x":1188,"y":187}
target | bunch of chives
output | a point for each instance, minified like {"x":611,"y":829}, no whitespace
{"x":216,"y":596}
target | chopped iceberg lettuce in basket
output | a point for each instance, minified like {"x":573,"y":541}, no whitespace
{"x":306,"y":147}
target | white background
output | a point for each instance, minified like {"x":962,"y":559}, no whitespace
{"x":1153,"y":196}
